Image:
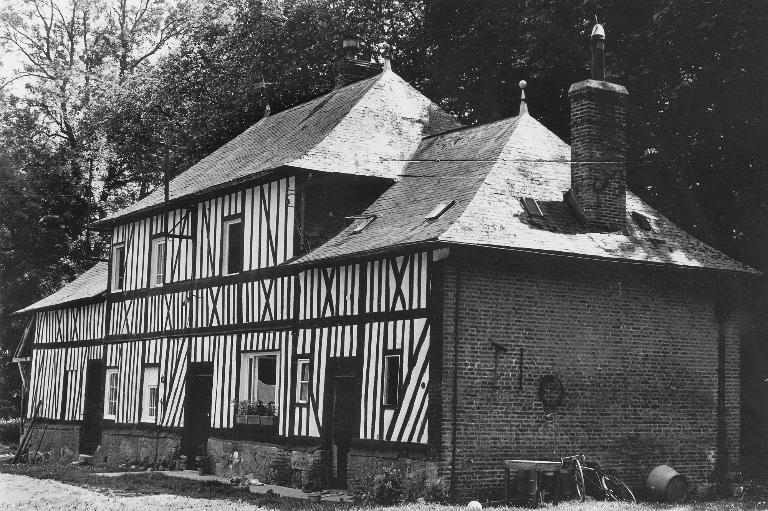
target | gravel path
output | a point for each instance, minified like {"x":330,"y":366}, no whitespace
{"x":21,"y":492}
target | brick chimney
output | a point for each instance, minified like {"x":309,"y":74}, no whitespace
{"x":598,"y":191}
{"x":351,"y":68}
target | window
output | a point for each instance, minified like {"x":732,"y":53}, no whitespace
{"x":233,"y":246}
{"x":110,"y":398}
{"x":258,"y":377}
{"x":67,"y":391}
{"x":157,"y":263}
{"x":391,"y":380}
{"x":531,"y":206}
{"x":302,"y":370}
{"x":118,"y":267}
{"x":150,"y":394}
{"x":439,"y":210}
{"x":642,"y":221}
{"x":362,"y":223}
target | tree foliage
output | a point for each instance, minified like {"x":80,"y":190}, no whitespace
{"x":135,"y":89}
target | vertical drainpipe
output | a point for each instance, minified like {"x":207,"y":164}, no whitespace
{"x":722,"y":313}
{"x":455,"y":380}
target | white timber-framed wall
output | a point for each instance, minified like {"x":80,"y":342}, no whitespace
{"x":369,"y":310}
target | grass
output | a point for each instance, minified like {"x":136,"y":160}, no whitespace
{"x":149,"y":483}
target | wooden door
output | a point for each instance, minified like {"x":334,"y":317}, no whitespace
{"x":93,"y":410}
{"x":197,"y":416}
{"x":343,"y":417}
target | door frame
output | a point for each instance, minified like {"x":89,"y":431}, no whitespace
{"x":194,"y":369}
{"x":351,"y":367}
{"x":95,"y":418}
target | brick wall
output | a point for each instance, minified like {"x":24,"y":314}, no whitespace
{"x":636,"y":351}
{"x":599,"y":153}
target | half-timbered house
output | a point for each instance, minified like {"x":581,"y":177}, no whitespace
{"x":396,"y":288}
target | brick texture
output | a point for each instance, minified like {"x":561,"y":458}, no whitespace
{"x":635,"y":350}
{"x":598,"y":154}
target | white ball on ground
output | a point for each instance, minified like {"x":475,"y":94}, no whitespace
{"x":474,"y":505}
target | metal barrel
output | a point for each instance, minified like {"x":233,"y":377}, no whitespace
{"x":665,"y":483}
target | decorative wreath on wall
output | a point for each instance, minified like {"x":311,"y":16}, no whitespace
{"x":551,"y":391}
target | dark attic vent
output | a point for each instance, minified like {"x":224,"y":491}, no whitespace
{"x":642,"y":221}
{"x":439,"y":210}
{"x":531,"y":206}
{"x":362,"y":223}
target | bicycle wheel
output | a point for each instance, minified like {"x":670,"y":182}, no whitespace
{"x":617,"y":490}
{"x":578,"y":478}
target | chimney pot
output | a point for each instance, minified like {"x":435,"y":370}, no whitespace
{"x":351,"y":68}
{"x":598,"y":53}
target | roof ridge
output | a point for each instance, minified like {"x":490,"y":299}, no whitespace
{"x":471,"y":126}
{"x":330,"y":94}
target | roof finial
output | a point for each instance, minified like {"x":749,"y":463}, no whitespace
{"x":262,"y":84}
{"x":523,"y":103}
{"x":385,"y":50}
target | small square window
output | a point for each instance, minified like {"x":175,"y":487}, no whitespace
{"x":531,"y":206}
{"x":157,"y":264}
{"x":111,"y":392}
{"x":439,"y":210}
{"x":233,"y":246}
{"x":642,"y":221}
{"x":302,"y":371}
{"x":362,"y":224}
{"x":391,"y":380}
{"x":118,"y":267}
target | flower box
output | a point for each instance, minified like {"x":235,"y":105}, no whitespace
{"x":261,"y":420}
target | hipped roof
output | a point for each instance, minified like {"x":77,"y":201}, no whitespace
{"x":367,"y":128}
{"x":487,"y":170}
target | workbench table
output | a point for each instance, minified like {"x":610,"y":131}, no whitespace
{"x":535,"y":469}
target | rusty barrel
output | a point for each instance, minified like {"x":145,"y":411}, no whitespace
{"x":665,"y":483}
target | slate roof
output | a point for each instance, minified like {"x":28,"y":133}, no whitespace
{"x":487,"y":169}
{"x":90,"y":284}
{"x":367,"y":128}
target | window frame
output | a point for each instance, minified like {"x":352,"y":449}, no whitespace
{"x":154,"y":261}
{"x":144,"y":415}
{"x":246,"y":389}
{"x":107,"y":387}
{"x":118,"y":270}
{"x":300,"y":382}
{"x":386,"y":400}
{"x":225,"y":248}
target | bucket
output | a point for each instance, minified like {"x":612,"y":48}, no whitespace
{"x":665,"y":483}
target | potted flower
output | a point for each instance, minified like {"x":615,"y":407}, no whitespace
{"x":255,"y":412}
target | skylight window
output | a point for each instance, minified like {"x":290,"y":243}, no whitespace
{"x":531,"y":206}
{"x":362,"y":223}
{"x":642,"y":221}
{"x":439,"y":210}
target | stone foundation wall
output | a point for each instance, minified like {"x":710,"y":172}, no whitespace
{"x":365,"y":463}
{"x":57,"y":441}
{"x":299,"y":466}
{"x":306,"y":466}
{"x":128,"y":444}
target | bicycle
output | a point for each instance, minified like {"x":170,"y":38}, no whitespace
{"x":590,"y":480}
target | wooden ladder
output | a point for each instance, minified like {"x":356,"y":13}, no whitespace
{"x":24,"y":444}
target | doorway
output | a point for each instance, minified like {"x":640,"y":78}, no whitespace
{"x":93,"y":407}
{"x":342,"y":415}
{"x":197,"y":411}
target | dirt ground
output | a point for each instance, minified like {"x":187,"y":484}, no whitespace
{"x":53,"y":487}
{"x":20,"y":492}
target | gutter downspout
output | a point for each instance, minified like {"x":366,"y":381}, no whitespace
{"x":722,"y":314}
{"x":455,"y":380}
